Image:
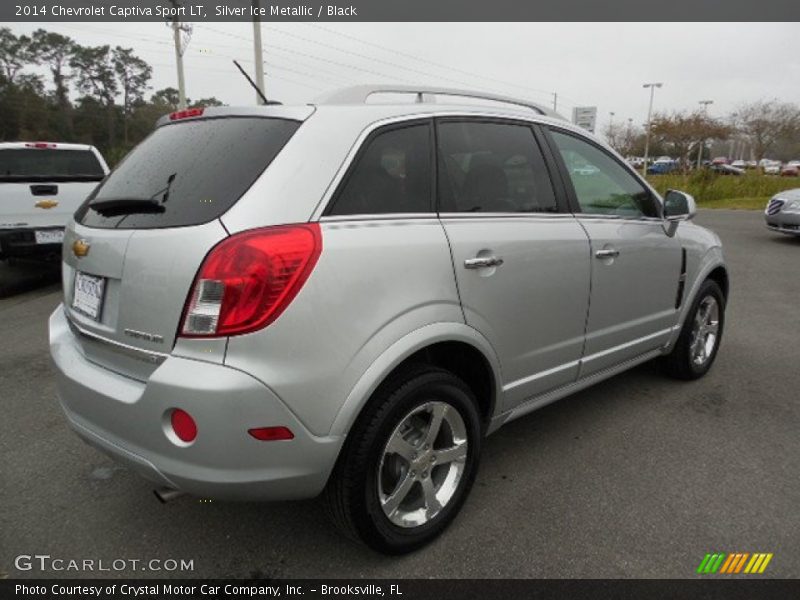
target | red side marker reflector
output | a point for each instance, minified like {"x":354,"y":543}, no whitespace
{"x":40,"y":145}
{"x":183,"y":425}
{"x":271,"y":434}
{"x":185,"y":114}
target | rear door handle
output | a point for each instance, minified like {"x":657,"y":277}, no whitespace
{"x":607,"y":253}
{"x":483,"y":262}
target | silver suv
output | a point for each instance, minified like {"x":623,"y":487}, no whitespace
{"x":268,"y":303}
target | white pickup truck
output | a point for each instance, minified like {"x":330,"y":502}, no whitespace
{"x":41,"y":186}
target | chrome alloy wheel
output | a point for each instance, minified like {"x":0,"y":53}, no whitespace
{"x":422,"y":464}
{"x":704,"y":331}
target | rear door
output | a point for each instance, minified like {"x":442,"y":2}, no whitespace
{"x":521,"y":260}
{"x":128,"y":269}
{"x":636,"y":266}
{"x":42,"y":184}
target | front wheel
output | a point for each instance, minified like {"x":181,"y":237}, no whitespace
{"x":409,"y":461}
{"x":699,"y":340}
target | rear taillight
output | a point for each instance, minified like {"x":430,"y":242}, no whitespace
{"x":249,"y":279}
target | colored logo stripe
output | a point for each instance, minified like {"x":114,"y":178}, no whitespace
{"x":734,"y":562}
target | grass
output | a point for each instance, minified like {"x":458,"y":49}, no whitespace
{"x":751,"y":191}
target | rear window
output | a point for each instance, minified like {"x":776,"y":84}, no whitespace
{"x":23,"y":164}
{"x":196,"y":170}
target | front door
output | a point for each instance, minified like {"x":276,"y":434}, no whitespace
{"x":636,"y":266}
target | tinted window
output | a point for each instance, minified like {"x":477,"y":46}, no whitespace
{"x":492,"y":167}
{"x":392,"y":175}
{"x":22,"y":164}
{"x":196,"y":170}
{"x":602,"y":185}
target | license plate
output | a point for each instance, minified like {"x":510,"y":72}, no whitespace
{"x":49,"y":236}
{"x":87,"y":297}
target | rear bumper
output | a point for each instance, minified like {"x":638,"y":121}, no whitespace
{"x":784,"y":222}
{"x":21,"y":243}
{"x":129,"y":420}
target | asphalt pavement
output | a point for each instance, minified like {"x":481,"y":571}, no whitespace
{"x":640,"y":476}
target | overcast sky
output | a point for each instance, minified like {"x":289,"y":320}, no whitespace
{"x":587,"y":64}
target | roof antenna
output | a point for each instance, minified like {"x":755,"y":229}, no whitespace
{"x":252,"y":83}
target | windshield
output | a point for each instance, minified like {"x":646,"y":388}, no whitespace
{"x":24,"y":164}
{"x":194,"y":170}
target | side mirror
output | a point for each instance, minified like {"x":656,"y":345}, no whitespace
{"x":679,"y":206}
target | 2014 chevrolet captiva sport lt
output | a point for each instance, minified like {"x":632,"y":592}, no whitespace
{"x":274,"y":302}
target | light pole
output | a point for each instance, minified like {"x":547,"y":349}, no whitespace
{"x":705,"y":104}
{"x":180,"y":48}
{"x":258,"y":51}
{"x":652,"y":87}
{"x":612,"y":138}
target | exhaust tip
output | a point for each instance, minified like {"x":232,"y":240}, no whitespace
{"x":165,"y":495}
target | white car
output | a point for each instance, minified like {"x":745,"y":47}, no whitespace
{"x":41,"y":185}
{"x":772,"y":167}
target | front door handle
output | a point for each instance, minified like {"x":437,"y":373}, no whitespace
{"x":607,"y":253}
{"x":483,"y":262}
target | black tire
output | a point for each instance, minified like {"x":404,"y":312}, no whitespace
{"x":678,"y":363}
{"x":352,"y":494}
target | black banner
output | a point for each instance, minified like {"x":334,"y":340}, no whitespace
{"x":395,"y":10}
{"x":413,"y":589}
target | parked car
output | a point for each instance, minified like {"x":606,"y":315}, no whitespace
{"x":723,"y":169}
{"x":739,"y":164}
{"x":41,"y":185}
{"x":637,"y":162}
{"x":663,"y":167}
{"x":273,"y":302}
{"x":783,"y":212}
{"x":790,"y":170}
{"x":772,"y":168}
{"x":719,"y":160}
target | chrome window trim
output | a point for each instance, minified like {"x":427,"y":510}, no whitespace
{"x":379,"y":217}
{"x":443,"y":216}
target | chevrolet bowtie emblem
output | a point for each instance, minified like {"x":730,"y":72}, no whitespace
{"x":80,"y":248}
{"x":46,"y":203}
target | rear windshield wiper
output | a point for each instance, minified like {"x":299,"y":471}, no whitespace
{"x":126,"y":206}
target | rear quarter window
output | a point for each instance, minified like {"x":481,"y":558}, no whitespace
{"x":195,"y":169}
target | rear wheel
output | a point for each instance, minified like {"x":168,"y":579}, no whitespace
{"x":409,"y":461}
{"x":699,"y":340}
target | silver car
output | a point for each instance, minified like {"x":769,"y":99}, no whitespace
{"x":783,"y":212}
{"x":269,"y":303}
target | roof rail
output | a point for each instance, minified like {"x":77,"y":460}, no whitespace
{"x":360,"y":93}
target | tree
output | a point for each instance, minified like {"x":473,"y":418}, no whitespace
{"x":212,"y":101}
{"x":55,"y":50}
{"x":167,"y":97}
{"x":94,"y":74}
{"x":765,"y":122}
{"x":681,"y":132}
{"x":15,"y":53}
{"x":134,"y":75}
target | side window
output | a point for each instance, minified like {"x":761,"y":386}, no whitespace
{"x":492,"y":167}
{"x":391,"y":175}
{"x":601,"y":184}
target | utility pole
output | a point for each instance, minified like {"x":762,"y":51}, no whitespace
{"x":180,"y":48}
{"x":652,"y":87}
{"x":259,"y":52}
{"x":705,"y":104}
